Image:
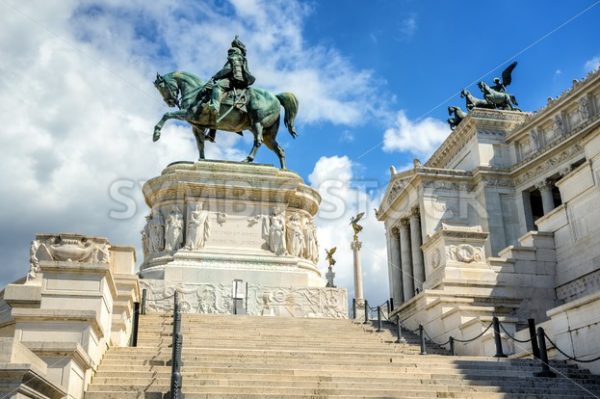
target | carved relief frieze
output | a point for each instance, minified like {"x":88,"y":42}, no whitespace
{"x":261,"y":300}
{"x":549,"y":164}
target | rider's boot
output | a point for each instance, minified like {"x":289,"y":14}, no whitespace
{"x":212,"y":133}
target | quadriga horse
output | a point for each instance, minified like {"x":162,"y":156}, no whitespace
{"x":474,"y":102}
{"x":262,"y":117}
{"x":499,"y":99}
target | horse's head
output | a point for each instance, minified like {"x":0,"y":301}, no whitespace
{"x":168,"y":90}
{"x":483,"y":86}
{"x":452,"y":108}
{"x":463,"y":93}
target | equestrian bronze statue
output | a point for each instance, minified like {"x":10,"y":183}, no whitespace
{"x":227,"y":103}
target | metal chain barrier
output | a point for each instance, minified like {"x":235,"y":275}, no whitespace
{"x":476,"y":337}
{"x":568,"y":356}
{"x":513,"y":338}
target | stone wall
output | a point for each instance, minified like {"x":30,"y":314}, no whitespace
{"x":75,"y":302}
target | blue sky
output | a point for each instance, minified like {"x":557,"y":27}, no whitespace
{"x":374,"y":80}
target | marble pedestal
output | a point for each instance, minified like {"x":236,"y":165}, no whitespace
{"x":231,"y":235}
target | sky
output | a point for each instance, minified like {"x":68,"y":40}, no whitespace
{"x":373,"y":78}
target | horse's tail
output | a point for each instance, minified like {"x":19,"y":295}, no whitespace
{"x":290,"y":105}
{"x":514,"y":100}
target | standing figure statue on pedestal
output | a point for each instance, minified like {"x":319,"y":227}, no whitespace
{"x":174,"y":231}
{"x":273,"y":231}
{"x":295,"y":236}
{"x":198,"y":229}
{"x":156,"y":232}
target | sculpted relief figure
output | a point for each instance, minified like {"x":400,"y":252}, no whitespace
{"x":174,"y":231}
{"x":585,"y":109}
{"x":34,"y":263}
{"x":559,"y":125}
{"x":535,"y":140}
{"x":198,"y":229}
{"x":295,"y":236}
{"x":146,"y":238}
{"x":274,"y":232}
{"x":156,"y":232}
{"x":311,"y":250}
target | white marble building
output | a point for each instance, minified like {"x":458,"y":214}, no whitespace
{"x":504,"y":220}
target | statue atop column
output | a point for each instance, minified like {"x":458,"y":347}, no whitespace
{"x":357,"y":228}
{"x":330,"y":275}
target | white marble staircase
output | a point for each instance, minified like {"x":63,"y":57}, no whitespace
{"x":261,"y":357}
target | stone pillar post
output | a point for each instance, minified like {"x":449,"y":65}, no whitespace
{"x":417,"y":254}
{"x":358,"y":285}
{"x":396,"y":267}
{"x":405,"y":253}
{"x":547,"y":196}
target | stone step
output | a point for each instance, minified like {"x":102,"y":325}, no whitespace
{"x":335,"y":370}
{"x":297,"y":387}
{"x":320,"y":392}
{"x":260,"y":357}
{"x":225,"y":379}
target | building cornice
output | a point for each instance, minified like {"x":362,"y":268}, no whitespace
{"x":484,"y":121}
{"x":565,"y":99}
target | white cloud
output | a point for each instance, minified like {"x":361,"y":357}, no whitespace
{"x":78,"y":105}
{"x":592,"y":64}
{"x":408,"y":27}
{"x":419,"y":137}
{"x":342,"y":197}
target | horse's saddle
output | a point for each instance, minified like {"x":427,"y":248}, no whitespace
{"x":237,"y":98}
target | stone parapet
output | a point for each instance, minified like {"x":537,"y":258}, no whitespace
{"x":64,"y":310}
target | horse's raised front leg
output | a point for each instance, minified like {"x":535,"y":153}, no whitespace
{"x":199,"y":134}
{"x":182,"y":114}
{"x":258,"y":140}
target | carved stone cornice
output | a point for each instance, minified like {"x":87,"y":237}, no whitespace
{"x":478,"y":121}
{"x":548,"y":162}
{"x":556,"y":104}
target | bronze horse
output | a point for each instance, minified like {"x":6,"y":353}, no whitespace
{"x":182,"y":89}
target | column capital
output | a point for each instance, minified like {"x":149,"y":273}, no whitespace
{"x":545,"y":184}
{"x":404,"y":223}
{"x":356,"y":245}
{"x":395,"y":232}
{"x":415,"y":212}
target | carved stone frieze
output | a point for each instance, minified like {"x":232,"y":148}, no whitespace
{"x":260,"y":301}
{"x":548,"y":164}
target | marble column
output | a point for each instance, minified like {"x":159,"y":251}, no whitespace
{"x":417,"y":254}
{"x":396,"y":267}
{"x":405,"y":254}
{"x":547,"y":196}
{"x":358,"y":284}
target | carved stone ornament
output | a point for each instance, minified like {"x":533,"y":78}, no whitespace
{"x":464,"y":253}
{"x":533,"y":172}
{"x":198,"y":229}
{"x":273,"y":231}
{"x":68,"y":248}
{"x":261,"y":300}
{"x":559,"y":126}
{"x":585,"y":109}
{"x":436,"y":258}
